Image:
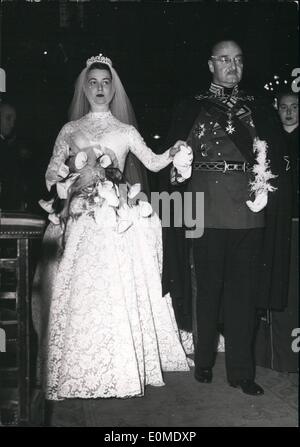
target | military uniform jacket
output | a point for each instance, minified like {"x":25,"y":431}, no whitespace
{"x":206,"y":114}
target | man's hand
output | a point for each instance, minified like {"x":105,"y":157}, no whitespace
{"x":176,"y":147}
{"x":182,"y":161}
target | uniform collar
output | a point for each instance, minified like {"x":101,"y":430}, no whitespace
{"x":220,"y":90}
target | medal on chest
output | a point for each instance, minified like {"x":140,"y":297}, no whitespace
{"x":230,"y":127}
{"x":199,"y":132}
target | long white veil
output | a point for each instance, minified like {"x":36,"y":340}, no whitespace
{"x":121,"y":108}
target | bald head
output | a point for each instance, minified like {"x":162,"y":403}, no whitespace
{"x":222,"y":44}
{"x":226,"y":63}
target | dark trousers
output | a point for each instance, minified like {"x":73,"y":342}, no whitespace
{"x":227,"y":266}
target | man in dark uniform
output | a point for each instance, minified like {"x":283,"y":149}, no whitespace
{"x":240,"y":262}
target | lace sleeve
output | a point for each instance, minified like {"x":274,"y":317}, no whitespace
{"x":59,"y":156}
{"x":151,"y":160}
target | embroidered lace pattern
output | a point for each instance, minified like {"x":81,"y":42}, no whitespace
{"x":110,"y":331}
{"x":106,"y":130}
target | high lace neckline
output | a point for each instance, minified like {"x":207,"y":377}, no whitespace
{"x":99,"y":115}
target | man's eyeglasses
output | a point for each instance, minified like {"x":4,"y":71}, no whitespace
{"x":226,"y":60}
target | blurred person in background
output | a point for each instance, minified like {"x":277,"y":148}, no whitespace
{"x":16,"y":165}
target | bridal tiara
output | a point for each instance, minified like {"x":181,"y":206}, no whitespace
{"x":100,"y":58}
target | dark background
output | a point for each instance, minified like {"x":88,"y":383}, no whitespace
{"x":159,"y":49}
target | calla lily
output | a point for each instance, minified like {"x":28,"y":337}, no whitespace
{"x":47,"y":206}
{"x":62,"y":191}
{"x":105,"y":161}
{"x":111,"y":198}
{"x":97,"y":151}
{"x":107,"y":184}
{"x":54,"y":218}
{"x":134,"y":190}
{"x":63,"y":171}
{"x":145,"y":209}
{"x":81,"y":160}
{"x":108,"y":193}
{"x":124,"y":212}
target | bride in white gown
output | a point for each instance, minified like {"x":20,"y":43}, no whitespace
{"x":110,"y":331}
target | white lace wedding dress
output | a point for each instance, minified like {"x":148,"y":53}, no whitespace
{"x":110,"y":331}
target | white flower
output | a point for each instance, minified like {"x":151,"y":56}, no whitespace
{"x":124,"y":212}
{"x":54,"y":218}
{"x":98,"y":152}
{"x":107,"y":184}
{"x":47,"y":206}
{"x":145,"y":209}
{"x":81,"y":160}
{"x":105,"y":161}
{"x":134,"y":190}
{"x":107,"y":192}
{"x":61,"y":190}
{"x":63,"y":171}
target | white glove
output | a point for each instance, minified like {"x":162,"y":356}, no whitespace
{"x":259,"y":203}
{"x":182,"y":161}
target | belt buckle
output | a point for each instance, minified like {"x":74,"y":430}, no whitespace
{"x":225,"y":167}
{"x":244,"y":166}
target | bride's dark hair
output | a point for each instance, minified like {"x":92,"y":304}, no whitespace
{"x":99,"y":66}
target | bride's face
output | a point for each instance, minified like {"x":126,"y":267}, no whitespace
{"x":99,"y":88}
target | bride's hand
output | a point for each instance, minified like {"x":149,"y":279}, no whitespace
{"x":176,"y":147}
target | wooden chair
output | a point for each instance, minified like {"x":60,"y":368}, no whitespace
{"x":17,"y":233}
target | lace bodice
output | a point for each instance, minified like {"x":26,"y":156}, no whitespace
{"x":104,"y":129}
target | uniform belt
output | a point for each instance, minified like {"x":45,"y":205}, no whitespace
{"x":222,"y":166}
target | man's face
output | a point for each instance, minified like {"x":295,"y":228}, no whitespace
{"x":288,"y":110}
{"x":7,"y":121}
{"x":226,"y":64}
